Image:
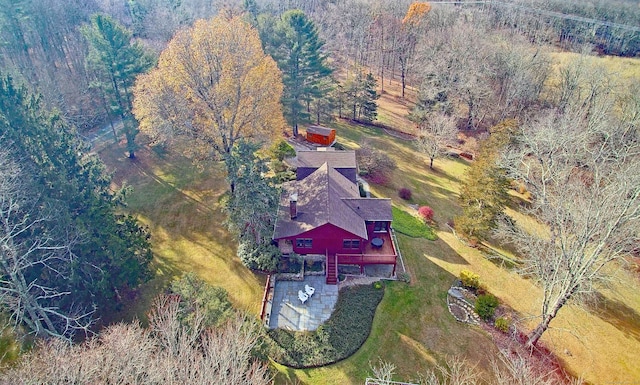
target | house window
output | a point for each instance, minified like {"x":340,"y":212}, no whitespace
{"x":304,"y":243}
{"x":351,"y":244}
{"x":380,"y":227}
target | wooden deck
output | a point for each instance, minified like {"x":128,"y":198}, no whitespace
{"x":387,"y":247}
{"x":383,"y":255}
{"x":366,"y":259}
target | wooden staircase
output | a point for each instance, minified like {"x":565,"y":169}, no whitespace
{"x":332,"y":269}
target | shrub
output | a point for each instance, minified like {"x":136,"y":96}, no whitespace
{"x":409,"y":225}
{"x":313,"y":266}
{"x":199,"y":299}
{"x":340,"y":337}
{"x":379,"y":179}
{"x":285,"y":176}
{"x":502,"y":324}
{"x":405,"y":193}
{"x":426,"y":213}
{"x":281,"y":150}
{"x":470,"y":279}
{"x":486,"y":305}
{"x":263,"y":257}
{"x":377,"y":285}
{"x":404,"y":277}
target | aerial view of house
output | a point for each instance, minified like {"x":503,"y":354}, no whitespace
{"x":322,"y":212}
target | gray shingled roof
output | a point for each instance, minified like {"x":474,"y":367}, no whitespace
{"x":370,"y":209}
{"x":319,"y":130}
{"x":335,"y":159}
{"x":326,"y":196}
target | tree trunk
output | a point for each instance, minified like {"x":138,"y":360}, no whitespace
{"x":404,"y":84}
{"x":534,"y":336}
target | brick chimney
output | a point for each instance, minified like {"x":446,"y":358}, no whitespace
{"x":293,"y":205}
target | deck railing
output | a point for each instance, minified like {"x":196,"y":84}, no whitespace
{"x":365,"y":259}
{"x":397,"y":249}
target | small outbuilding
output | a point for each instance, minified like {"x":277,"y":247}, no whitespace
{"x":321,"y":135}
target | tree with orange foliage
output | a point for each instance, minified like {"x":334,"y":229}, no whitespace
{"x":409,"y":37}
{"x":416,"y":12}
{"x":213,"y":86}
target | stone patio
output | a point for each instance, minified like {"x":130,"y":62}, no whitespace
{"x":289,"y":313}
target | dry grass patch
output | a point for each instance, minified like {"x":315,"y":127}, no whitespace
{"x":598,"y":344}
{"x":180,"y":205}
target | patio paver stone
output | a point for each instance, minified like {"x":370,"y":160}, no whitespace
{"x":289,"y":313}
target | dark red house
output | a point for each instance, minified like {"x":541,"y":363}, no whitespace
{"x":323,"y":214}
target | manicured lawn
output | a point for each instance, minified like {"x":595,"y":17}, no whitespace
{"x":412,"y":226}
{"x":179,"y":204}
{"x":412,"y":328}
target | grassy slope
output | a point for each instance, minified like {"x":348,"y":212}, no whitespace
{"x":412,"y":328}
{"x":179,"y":203}
{"x":410,"y":323}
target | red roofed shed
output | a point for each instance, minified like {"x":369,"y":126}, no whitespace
{"x":321,"y":135}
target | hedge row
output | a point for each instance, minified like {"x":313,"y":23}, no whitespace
{"x":338,"y":338}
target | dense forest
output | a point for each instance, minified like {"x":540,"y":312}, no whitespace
{"x":45,"y":45}
{"x":176,"y":70}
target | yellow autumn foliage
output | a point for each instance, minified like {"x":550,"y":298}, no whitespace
{"x":213,"y":86}
{"x":415,"y":12}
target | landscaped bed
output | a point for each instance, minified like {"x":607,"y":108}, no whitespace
{"x":340,"y":337}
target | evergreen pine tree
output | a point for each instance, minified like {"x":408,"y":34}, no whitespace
{"x":484,"y":192}
{"x":108,"y":251}
{"x":297,"y":49}
{"x":115,"y":61}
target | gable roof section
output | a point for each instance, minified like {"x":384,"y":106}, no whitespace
{"x":334,"y":159}
{"x":325,"y":131}
{"x":319,"y":202}
{"x":371,"y":209}
{"x":326,"y":196}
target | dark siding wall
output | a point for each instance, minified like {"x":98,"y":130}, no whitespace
{"x":370,"y":227}
{"x":326,"y":238}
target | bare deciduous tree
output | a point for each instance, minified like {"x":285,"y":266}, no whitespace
{"x":437,"y":130}
{"x":511,"y":368}
{"x":582,"y":173}
{"x":29,"y":254}
{"x":519,"y":75}
{"x":167,"y":353}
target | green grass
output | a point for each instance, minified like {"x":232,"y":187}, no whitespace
{"x":412,"y":328}
{"x":410,"y":225}
{"x":180,"y":205}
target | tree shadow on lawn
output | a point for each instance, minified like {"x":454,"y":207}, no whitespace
{"x":616,"y":313}
{"x":180,"y":204}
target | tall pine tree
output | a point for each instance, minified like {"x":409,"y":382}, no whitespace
{"x":115,"y":61}
{"x":297,"y":49}
{"x":104,"y":251}
{"x":484,"y":192}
